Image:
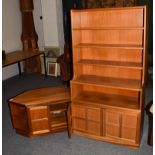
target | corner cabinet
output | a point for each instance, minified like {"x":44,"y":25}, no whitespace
{"x":36,"y":120}
{"x":41,"y":111}
{"x":107,"y":89}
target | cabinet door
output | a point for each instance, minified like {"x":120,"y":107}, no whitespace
{"x":121,"y":125}
{"x":79,"y":118}
{"x":86,"y":119}
{"x":93,"y":121}
{"x":19,"y":117}
{"x":79,"y":111}
{"x":129,"y":126}
{"x":39,"y":119}
{"x":112,"y":123}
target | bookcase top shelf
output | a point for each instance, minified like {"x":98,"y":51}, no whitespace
{"x":121,"y":64}
{"x":127,"y":46}
{"x":109,"y":17}
{"x":128,"y":84}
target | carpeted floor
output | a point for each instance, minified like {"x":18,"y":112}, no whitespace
{"x":57,"y":144}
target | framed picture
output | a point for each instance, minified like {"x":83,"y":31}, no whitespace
{"x":52,"y":68}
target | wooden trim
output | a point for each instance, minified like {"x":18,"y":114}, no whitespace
{"x":138,"y":131}
{"x":145,"y":50}
{"x":106,"y":139}
{"x":120,"y":125}
{"x":102,"y":122}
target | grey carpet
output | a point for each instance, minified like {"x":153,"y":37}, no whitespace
{"x":57,"y":144}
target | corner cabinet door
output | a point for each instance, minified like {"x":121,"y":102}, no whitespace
{"x":39,"y":119}
{"x":19,"y":117}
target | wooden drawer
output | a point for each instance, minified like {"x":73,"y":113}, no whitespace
{"x":78,"y":111}
{"x":93,"y":128}
{"x":38,"y":112}
{"x":40,"y":126}
{"x":93,"y":114}
{"x":79,"y":124}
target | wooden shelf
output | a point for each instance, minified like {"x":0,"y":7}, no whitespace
{"x":102,"y":100}
{"x":128,"y":84}
{"x":133,"y":65}
{"x":108,"y":46}
{"x":108,"y":28}
{"x":57,"y":114}
{"x":39,"y":119}
{"x":59,"y":107}
{"x":58,"y":121}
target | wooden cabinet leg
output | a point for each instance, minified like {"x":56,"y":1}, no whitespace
{"x":68,"y":130}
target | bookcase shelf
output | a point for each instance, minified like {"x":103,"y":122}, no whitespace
{"x":128,"y":84}
{"x":133,"y":65}
{"x":103,"y":100}
{"x":107,"y":89}
{"x":124,"y":46}
{"x":108,"y":28}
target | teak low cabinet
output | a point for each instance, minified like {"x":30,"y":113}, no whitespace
{"x":41,"y":111}
{"x":106,"y":124}
{"x":36,"y":120}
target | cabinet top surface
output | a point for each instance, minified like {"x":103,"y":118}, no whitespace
{"x":102,"y":9}
{"x":51,"y":95}
{"x":16,"y":56}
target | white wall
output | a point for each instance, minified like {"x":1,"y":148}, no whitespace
{"x":53,"y":23}
{"x":11,"y":33}
{"x":12,"y":29}
{"x":50,"y":22}
{"x":37,"y":12}
{"x":60,"y":25}
{"x":49,"y":30}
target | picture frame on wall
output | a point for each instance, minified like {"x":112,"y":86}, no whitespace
{"x":52,"y":68}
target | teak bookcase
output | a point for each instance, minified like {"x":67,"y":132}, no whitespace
{"x":107,"y":90}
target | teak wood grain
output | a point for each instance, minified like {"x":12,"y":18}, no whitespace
{"x":43,"y":95}
{"x":109,"y":63}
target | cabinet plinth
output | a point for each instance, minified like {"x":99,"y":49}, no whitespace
{"x":107,"y":89}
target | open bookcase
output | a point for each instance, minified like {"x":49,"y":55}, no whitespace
{"x":107,"y":90}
